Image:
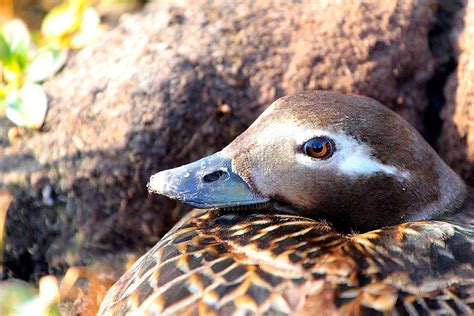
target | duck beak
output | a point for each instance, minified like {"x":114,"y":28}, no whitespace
{"x":206,"y":183}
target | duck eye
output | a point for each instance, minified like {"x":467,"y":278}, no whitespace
{"x":319,"y":147}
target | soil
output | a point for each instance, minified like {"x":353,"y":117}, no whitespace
{"x":178,"y":81}
{"x":457,"y":139}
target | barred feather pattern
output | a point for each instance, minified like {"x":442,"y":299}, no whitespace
{"x":221,"y":263}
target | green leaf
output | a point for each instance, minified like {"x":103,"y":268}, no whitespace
{"x":19,"y":298}
{"x":27,"y":107}
{"x":46,"y":62}
{"x":5,"y":55}
{"x":14,"y":293}
{"x":17,"y":38}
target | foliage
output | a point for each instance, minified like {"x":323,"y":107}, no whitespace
{"x":19,"y":298}
{"x":25,"y":64}
{"x":80,"y":292}
{"x":27,"y":59}
{"x":71,"y":24}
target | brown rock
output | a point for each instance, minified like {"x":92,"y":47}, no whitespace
{"x":456,"y":143}
{"x":180,"y":81}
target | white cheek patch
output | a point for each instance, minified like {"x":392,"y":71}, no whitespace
{"x":354,"y":158}
{"x":351,"y":158}
{"x":360,"y":163}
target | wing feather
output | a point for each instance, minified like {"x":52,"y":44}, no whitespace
{"x":220,"y":263}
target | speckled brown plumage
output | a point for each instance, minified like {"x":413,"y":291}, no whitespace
{"x":218,"y":262}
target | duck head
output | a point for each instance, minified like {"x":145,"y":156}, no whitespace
{"x":343,"y":158}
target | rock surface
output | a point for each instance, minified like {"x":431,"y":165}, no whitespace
{"x":456,"y":143}
{"x":180,"y":81}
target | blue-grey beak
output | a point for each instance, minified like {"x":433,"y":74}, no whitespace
{"x":206,"y":183}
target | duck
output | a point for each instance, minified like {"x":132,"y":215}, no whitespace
{"x":328,"y":204}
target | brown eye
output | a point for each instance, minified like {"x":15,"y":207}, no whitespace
{"x":319,"y":147}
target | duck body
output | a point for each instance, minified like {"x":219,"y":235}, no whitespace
{"x":298,"y":252}
{"x":220,"y":263}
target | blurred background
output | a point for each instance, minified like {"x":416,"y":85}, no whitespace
{"x":96,"y":96}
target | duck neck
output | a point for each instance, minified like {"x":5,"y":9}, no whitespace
{"x":453,"y":196}
{"x":463,"y":215}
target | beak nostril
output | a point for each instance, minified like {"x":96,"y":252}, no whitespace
{"x":213,"y":176}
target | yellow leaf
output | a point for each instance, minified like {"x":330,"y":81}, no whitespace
{"x":88,"y":30}
{"x":61,"y":21}
{"x":3,"y":92}
{"x":13,"y":76}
